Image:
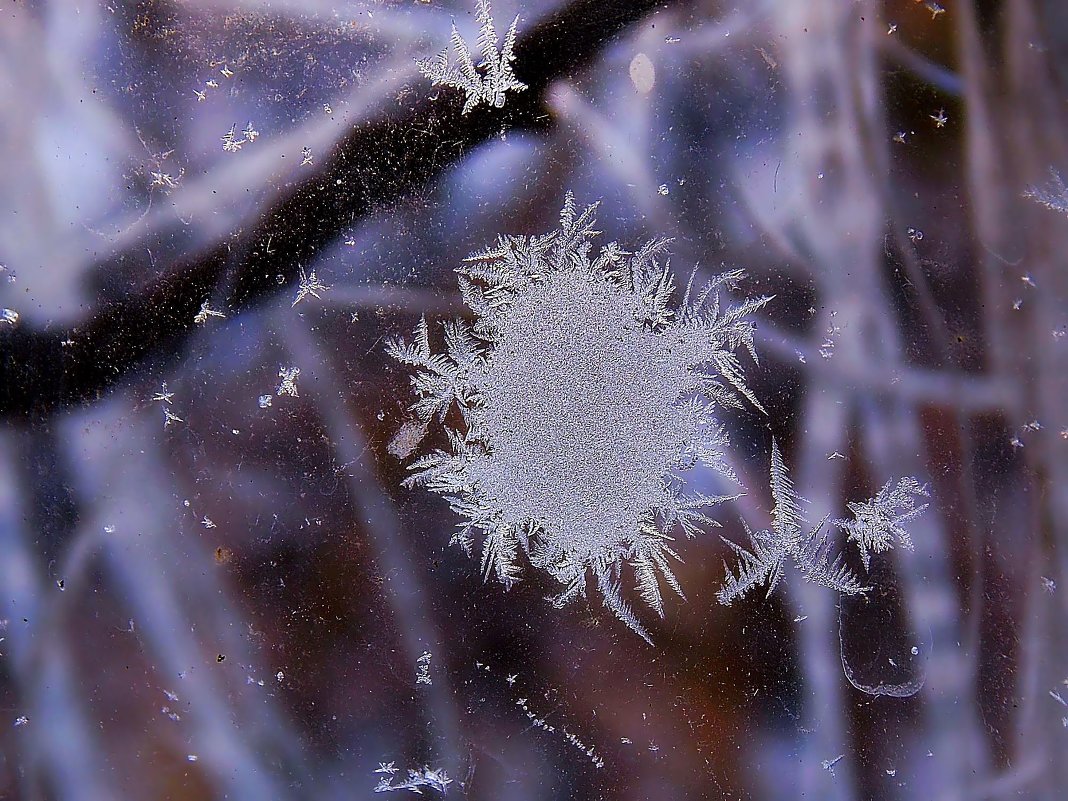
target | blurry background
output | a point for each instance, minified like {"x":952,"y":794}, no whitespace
{"x":234,"y":604}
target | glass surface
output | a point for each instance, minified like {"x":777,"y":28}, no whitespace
{"x":222,"y":224}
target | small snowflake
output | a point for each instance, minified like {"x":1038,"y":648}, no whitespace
{"x":306,"y":156}
{"x":170,"y":417}
{"x":250,"y":132}
{"x":309,"y":285}
{"x":231,"y":144}
{"x":940,"y":119}
{"x":9,"y":316}
{"x":288,"y":385}
{"x":165,"y":179}
{"x":934,"y":8}
{"x":164,"y":395}
{"x":205,"y":312}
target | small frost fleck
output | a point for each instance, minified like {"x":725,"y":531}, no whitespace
{"x":422,"y":671}
{"x":205,"y":312}
{"x":288,"y":385}
{"x":828,"y":764}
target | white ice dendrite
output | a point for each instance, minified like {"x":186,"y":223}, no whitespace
{"x":417,"y":779}
{"x":574,"y":405}
{"x":876,"y":523}
{"x":485,"y":82}
{"x":288,"y":384}
{"x":810,"y":551}
{"x":1053,"y":196}
{"x":309,"y":285}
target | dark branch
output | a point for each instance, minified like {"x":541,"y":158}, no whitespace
{"x":44,"y":371}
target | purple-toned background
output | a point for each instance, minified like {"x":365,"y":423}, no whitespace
{"x":234,"y":605}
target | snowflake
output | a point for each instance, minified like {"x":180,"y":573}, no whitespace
{"x":787,"y":539}
{"x":231,"y":144}
{"x":164,"y":395}
{"x":422,"y":671}
{"x":582,"y":394}
{"x":205,"y":312}
{"x":491,"y":77}
{"x":165,"y":179}
{"x":878,"y":521}
{"x":170,"y":417}
{"x":417,"y":779}
{"x":288,"y":385}
{"x":309,"y":285}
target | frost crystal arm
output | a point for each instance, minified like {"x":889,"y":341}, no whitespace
{"x":485,"y":82}
{"x":879,"y":521}
{"x":812,"y":553}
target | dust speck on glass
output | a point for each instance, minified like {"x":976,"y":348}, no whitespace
{"x":578,"y":399}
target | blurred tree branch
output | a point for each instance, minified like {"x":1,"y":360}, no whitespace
{"x":45,"y":371}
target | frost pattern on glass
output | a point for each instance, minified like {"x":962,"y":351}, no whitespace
{"x":1054,"y":195}
{"x":435,"y":779}
{"x":811,"y":551}
{"x":879,"y":521}
{"x":876,"y":524}
{"x":581,"y":395}
{"x":485,"y":82}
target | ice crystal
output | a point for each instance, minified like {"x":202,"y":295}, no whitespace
{"x":878,"y":522}
{"x":205,"y":313}
{"x":573,"y":406}
{"x":309,"y":285}
{"x":230,"y":141}
{"x":810,"y":551}
{"x":417,"y":779}
{"x":1053,"y":196}
{"x":288,"y":384}
{"x":485,"y":82}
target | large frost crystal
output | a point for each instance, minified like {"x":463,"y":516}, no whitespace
{"x":573,"y":405}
